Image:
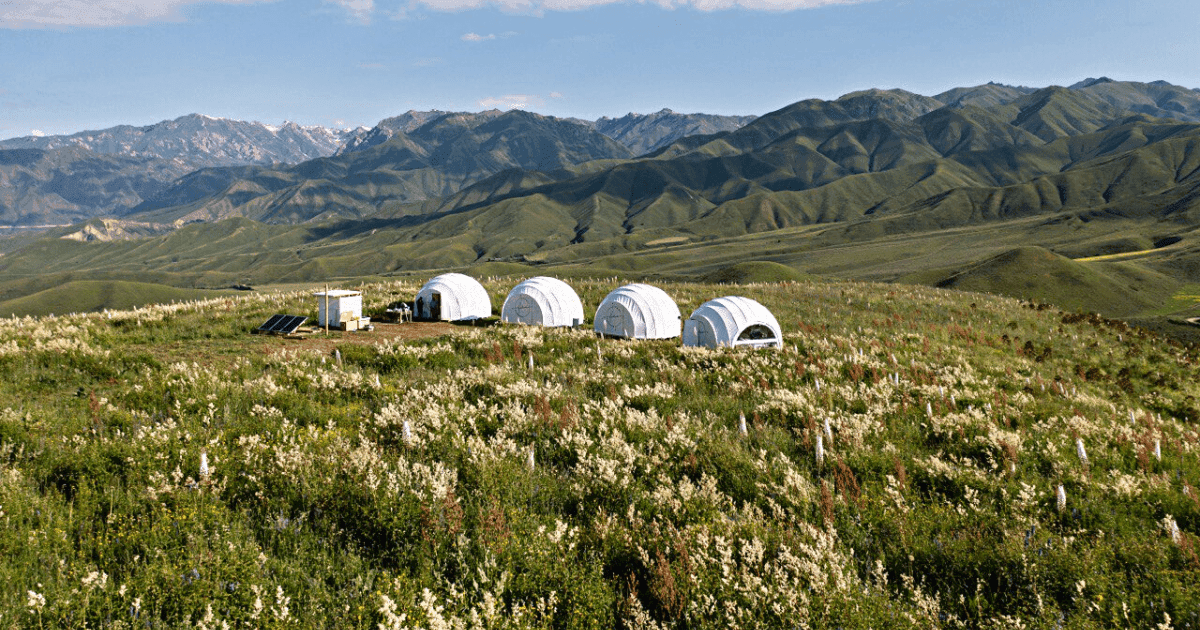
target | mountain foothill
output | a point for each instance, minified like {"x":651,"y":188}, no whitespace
{"x":1087,"y":196}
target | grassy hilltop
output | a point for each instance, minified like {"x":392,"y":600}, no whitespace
{"x":899,"y":467}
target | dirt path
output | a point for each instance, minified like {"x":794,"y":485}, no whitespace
{"x":383,"y":332}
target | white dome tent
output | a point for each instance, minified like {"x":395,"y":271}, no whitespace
{"x":542,"y":301}
{"x":452,"y":297}
{"x":732,"y":321}
{"x":638,"y":311}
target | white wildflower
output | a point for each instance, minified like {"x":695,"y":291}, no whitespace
{"x":282,"y":601}
{"x":529,"y":460}
{"x":1171,"y":528}
{"x":742,"y":424}
{"x":94,"y":580}
{"x":391,"y":621}
{"x":820,"y":453}
{"x":406,"y":432}
{"x":1080,"y":450}
{"x":36,"y":601}
{"x":258,"y":603}
{"x":204,"y":471}
{"x":1158,"y":449}
{"x":1061,"y":496}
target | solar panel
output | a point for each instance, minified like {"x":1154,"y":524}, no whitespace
{"x":270,"y":323}
{"x":282,"y":324}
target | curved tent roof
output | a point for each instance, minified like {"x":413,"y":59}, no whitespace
{"x":638,"y":311}
{"x":542,"y":301}
{"x":732,"y":321}
{"x":452,"y":297}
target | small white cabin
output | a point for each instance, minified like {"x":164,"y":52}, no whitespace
{"x":732,"y":321}
{"x":343,"y":306}
{"x":638,"y":311}
{"x":452,"y":297}
{"x":543,"y":301}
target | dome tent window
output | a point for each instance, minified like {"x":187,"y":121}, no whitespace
{"x":543,"y":301}
{"x":452,"y":297}
{"x":638,"y":311}
{"x":732,"y":321}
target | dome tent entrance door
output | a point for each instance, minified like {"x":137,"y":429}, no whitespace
{"x":430,"y":306}
{"x":452,"y":297}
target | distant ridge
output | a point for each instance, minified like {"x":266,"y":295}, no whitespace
{"x":644,"y":133}
{"x":199,"y":141}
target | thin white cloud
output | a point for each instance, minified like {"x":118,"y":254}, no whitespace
{"x":541,"y":6}
{"x":556,"y":95}
{"x":359,"y":10}
{"x":36,"y":133}
{"x":427,"y":62}
{"x":476,"y":37}
{"x":96,"y":13}
{"x":511,"y":101}
{"x":18,"y":14}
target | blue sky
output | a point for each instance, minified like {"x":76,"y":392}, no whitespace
{"x":70,"y":65}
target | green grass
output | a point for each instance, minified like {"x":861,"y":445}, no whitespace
{"x":754,"y":271}
{"x":645,"y":501}
{"x":1185,"y":302}
{"x":81,"y":296}
{"x":1033,"y":273}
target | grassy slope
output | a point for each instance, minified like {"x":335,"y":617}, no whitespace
{"x":1034,"y":273}
{"x":81,"y":296}
{"x":934,"y":503}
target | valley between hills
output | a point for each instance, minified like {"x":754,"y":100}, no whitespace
{"x":1084,"y":196}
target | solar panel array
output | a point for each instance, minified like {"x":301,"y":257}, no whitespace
{"x":282,"y":324}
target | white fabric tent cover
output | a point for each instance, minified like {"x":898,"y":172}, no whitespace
{"x":638,"y":311}
{"x":542,"y":301}
{"x":453,"y":297}
{"x":732,"y":321}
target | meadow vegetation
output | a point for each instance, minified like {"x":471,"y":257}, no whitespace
{"x":912,"y":457}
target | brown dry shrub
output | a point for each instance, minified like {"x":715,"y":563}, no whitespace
{"x":847,"y":483}
{"x":826,"y":505}
{"x":664,"y":588}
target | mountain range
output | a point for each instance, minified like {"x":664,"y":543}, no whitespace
{"x":199,"y":141}
{"x":74,"y":177}
{"x":1098,"y":180}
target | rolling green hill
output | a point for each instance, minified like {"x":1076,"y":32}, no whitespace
{"x":1037,"y":274}
{"x":84,"y":296}
{"x":879,"y":184}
